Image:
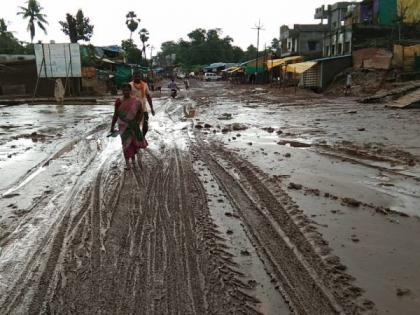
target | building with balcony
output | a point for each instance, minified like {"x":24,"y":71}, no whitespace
{"x":303,"y":40}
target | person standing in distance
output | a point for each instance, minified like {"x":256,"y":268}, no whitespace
{"x":140,"y":91}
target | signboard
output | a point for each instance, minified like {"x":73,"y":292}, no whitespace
{"x":58,"y":60}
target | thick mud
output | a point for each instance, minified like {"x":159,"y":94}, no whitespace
{"x":246,"y":202}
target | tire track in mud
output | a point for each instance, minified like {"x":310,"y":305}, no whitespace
{"x":38,"y":271}
{"x":312,"y":280}
{"x":142,"y":243}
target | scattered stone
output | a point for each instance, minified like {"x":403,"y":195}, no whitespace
{"x":268,"y":129}
{"x":361,"y":129}
{"x":340,"y":267}
{"x":295,"y":144}
{"x":386,"y":184}
{"x":279,"y":132}
{"x":288,"y":155}
{"x":220,"y":200}
{"x":238,"y":135}
{"x":233,"y":138}
{"x":10,"y":196}
{"x":238,"y":127}
{"x":314,"y":191}
{"x":225,"y":116}
{"x":249,"y":143}
{"x":403,"y":292}
{"x":252,"y":283}
{"x":207,"y":126}
{"x":411,"y":163}
{"x":352,"y":112}
{"x":294,"y":186}
{"x":351,"y":202}
{"x":245,"y":253}
{"x":225,"y":130}
{"x":228,"y":214}
{"x":229,"y":232}
{"x":198,"y":126}
{"x":355,"y":239}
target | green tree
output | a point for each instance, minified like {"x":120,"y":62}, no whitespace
{"x":9,"y":44}
{"x":77,"y":28}
{"x":251,"y":52}
{"x":275,"y":46}
{"x":132,"y":53}
{"x":33,"y":12}
{"x":144,"y":37}
{"x":3,"y":27}
{"x":198,"y":36}
{"x":127,"y":44}
{"x":203,"y":47}
{"x":132,"y":22}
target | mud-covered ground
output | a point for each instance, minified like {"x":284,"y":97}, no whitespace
{"x":247,"y":201}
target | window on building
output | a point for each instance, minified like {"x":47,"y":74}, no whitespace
{"x":312,"y":45}
{"x":333,"y":50}
{"x":340,"y":49}
{"x":288,"y":45}
{"x":327,"y":51}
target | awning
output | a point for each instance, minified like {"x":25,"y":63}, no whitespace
{"x":278,"y":62}
{"x":300,"y":67}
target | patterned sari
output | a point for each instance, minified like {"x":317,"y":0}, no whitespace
{"x":126,"y":110}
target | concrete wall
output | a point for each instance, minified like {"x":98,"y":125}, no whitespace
{"x":330,"y":67}
{"x":372,"y":58}
{"x":376,"y":36}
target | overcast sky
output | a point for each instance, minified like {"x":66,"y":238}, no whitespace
{"x":168,"y":20}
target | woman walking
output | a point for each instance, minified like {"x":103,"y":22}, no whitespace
{"x":128,"y":113}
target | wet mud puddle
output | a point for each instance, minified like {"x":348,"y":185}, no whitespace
{"x":255,"y":275}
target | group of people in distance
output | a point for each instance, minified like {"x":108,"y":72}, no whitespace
{"x":131,"y":112}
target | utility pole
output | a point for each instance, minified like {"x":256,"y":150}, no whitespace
{"x":259,"y":28}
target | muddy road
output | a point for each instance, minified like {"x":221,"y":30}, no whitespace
{"x":258,"y":203}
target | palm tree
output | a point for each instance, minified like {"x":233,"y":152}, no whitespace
{"x":144,"y":37}
{"x":33,"y":11}
{"x":132,"y":22}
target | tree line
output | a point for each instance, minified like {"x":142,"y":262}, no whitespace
{"x":203,"y":47}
